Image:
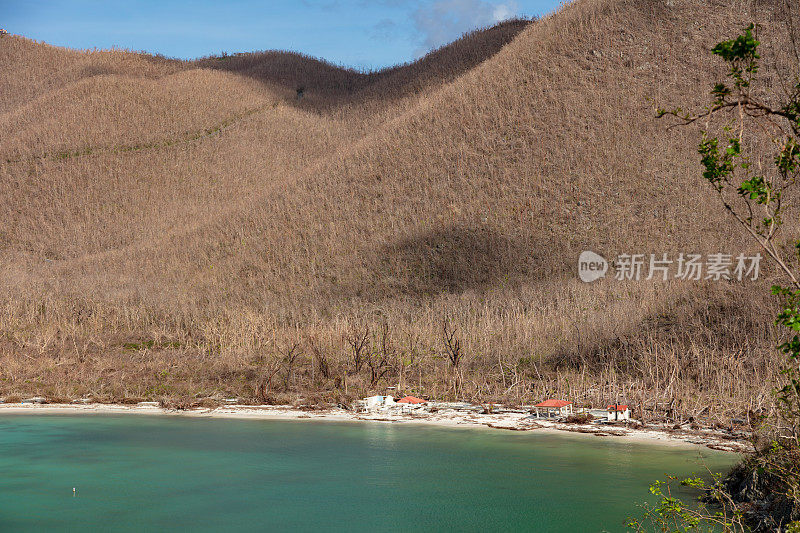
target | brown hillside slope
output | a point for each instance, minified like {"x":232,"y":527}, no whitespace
{"x":32,"y":69}
{"x":192,"y":269}
{"x":87,"y":115}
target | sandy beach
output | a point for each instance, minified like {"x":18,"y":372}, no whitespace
{"x":507,"y":421}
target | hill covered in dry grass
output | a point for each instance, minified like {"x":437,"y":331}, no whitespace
{"x":189,"y":230}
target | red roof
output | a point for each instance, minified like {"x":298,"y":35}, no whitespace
{"x":618,"y":407}
{"x":554,"y":403}
{"x":410,"y":399}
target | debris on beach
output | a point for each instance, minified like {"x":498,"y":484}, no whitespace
{"x":35,"y":399}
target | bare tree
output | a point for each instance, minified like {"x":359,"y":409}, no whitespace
{"x":320,"y":360}
{"x":452,"y":344}
{"x":358,"y":344}
{"x":289,"y":360}
{"x":379,"y":359}
{"x":268,"y":372}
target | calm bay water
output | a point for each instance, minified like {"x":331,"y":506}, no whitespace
{"x":141,"y":473}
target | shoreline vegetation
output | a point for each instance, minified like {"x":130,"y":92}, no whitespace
{"x":464,"y":417}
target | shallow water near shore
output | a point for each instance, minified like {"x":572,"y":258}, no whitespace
{"x":137,"y":472}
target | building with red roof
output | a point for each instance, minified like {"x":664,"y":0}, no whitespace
{"x":618,"y":412}
{"x":411,"y":399}
{"x":551,"y":408}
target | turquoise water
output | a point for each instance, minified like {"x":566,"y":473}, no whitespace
{"x":142,"y":473}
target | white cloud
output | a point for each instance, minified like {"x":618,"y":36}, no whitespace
{"x":443,"y":21}
{"x":504,"y":11}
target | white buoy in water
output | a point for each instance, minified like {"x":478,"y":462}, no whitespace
{"x":73,"y":491}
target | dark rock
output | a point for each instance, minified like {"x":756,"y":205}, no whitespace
{"x":762,"y":495}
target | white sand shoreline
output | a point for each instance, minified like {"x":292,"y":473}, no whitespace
{"x":503,"y":421}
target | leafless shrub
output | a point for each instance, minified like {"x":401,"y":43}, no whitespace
{"x":452,"y":344}
{"x":269,"y":368}
{"x":357,"y":340}
{"x":378,"y":359}
{"x":321,"y":360}
{"x":292,"y":353}
{"x":579,"y":418}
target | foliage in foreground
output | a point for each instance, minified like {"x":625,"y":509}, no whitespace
{"x":717,"y":512}
{"x":762,"y":492}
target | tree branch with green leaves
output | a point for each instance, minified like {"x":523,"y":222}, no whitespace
{"x":760,"y":202}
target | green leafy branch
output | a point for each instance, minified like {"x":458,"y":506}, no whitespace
{"x":756,"y":202}
{"x":671,"y":515}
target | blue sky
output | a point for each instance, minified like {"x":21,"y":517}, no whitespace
{"x":357,"y":33}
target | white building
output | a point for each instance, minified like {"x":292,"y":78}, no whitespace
{"x":618,"y":412}
{"x":374,"y":403}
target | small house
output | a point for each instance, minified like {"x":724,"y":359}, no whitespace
{"x":553,"y":408}
{"x":374,"y":403}
{"x":618,"y":412}
{"x":408,"y":404}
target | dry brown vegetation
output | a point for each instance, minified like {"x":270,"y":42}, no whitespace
{"x":174,"y":230}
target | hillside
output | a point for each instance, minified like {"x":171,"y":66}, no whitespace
{"x":186,"y":230}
